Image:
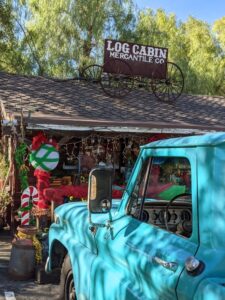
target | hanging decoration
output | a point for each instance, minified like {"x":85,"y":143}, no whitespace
{"x":71,"y":161}
{"x":98,"y":151}
{"x":70,"y":154}
{"x":109,"y":153}
{"x":29,"y":198}
{"x":86,"y":155}
{"x":44,"y":158}
{"x":127,"y":153}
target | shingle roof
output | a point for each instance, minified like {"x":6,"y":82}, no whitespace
{"x":79,"y":102}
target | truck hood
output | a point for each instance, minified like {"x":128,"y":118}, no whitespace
{"x":73,"y":217}
{"x":80,"y":209}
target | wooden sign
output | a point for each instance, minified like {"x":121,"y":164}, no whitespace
{"x":142,"y":60}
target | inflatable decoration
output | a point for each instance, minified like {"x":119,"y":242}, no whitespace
{"x":44,"y":158}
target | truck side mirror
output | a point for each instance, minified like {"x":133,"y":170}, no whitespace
{"x":100,"y":190}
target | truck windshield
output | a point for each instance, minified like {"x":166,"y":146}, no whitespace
{"x":162,"y":194}
{"x":169,"y":177}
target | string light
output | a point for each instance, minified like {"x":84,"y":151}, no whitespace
{"x":100,"y":138}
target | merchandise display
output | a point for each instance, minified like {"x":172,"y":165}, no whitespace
{"x":68,"y":181}
{"x":62,"y":166}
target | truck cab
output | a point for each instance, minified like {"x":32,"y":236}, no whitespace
{"x":163,"y":240}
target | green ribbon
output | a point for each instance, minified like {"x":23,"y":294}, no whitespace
{"x":26,"y":208}
{"x":40,"y":161}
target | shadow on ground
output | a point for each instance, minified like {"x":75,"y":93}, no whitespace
{"x":23,"y":290}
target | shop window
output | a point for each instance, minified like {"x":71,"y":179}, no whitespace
{"x":162,"y":194}
{"x":69,"y":180}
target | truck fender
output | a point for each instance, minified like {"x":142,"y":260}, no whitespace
{"x":211,"y":288}
{"x":81,"y":260}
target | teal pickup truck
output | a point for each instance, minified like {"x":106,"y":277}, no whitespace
{"x":165,"y":239}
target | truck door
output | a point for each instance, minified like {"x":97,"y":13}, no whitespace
{"x":143,"y":253}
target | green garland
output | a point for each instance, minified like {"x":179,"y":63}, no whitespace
{"x":23,"y":170}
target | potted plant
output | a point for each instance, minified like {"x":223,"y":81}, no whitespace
{"x":5,"y":200}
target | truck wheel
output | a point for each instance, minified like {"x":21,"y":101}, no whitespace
{"x":66,"y":287}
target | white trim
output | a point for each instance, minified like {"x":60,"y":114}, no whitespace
{"x":6,"y":122}
{"x":116,"y":129}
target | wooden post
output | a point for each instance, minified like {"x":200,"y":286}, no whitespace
{"x":52,"y":211}
{"x":12,"y":178}
{"x":37,"y":223}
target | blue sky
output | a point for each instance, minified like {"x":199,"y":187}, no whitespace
{"x":206,"y":10}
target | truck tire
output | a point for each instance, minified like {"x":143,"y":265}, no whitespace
{"x":66,"y":287}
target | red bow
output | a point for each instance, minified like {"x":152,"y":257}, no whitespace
{"x":41,"y":139}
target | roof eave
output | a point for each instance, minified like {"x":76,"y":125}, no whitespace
{"x":105,"y":125}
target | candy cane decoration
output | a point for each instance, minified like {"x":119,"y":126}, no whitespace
{"x":28,"y":195}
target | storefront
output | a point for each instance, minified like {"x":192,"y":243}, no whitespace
{"x":51,"y":166}
{"x":86,"y":129}
{"x":80,"y":152}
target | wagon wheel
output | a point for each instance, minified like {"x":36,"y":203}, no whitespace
{"x":142,"y":83}
{"x":117,"y":79}
{"x":92,"y":73}
{"x":171,"y":87}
